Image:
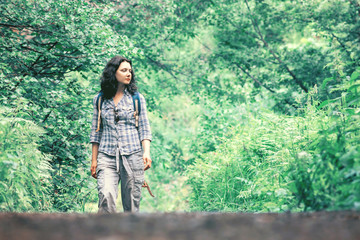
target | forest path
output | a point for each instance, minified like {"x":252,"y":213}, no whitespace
{"x":150,"y":226}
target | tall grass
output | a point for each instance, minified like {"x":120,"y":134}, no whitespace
{"x":279,"y":163}
{"x":24,"y":170}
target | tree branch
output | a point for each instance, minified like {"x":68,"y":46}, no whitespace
{"x":250,"y":76}
{"x":253,"y":78}
{"x":257,"y":30}
{"x":163,"y":66}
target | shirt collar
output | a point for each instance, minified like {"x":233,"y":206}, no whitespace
{"x":126,"y":92}
{"x":111,"y":101}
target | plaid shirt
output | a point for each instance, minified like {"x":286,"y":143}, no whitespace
{"x":122,"y":134}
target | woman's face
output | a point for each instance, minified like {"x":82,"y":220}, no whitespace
{"x":123,"y":73}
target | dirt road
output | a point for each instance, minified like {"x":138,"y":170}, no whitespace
{"x":289,"y":226}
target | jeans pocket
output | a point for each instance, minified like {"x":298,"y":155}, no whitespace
{"x":136,"y":162}
{"x":104,"y":160}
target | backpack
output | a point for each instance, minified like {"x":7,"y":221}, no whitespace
{"x":136,"y":102}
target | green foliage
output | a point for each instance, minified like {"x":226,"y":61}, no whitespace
{"x":174,"y":128}
{"x":246,"y":172}
{"x":59,"y":108}
{"x":51,"y":38}
{"x":327,"y":173}
{"x":283,"y":46}
{"x":170,"y":190}
{"x":275,"y":163}
{"x":25,"y":171}
{"x":218,"y":77}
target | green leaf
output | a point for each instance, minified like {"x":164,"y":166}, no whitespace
{"x":326,"y":102}
{"x":326,"y":80}
{"x":354,"y":88}
{"x":354,"y":76}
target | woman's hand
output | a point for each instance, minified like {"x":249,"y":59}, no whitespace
{"x":95,"y":147}
{"x":146,"y":155}
{"x":147,"y":161}
{"x":93,"y":168}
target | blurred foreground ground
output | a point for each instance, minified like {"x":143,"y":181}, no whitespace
{"x":318,"y":225}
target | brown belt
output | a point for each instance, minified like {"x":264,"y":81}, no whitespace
{"x":148,"y":188}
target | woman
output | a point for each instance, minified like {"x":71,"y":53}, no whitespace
{"x":120,"y":149}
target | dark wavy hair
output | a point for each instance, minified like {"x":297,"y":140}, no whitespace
{"x":109,"y":84}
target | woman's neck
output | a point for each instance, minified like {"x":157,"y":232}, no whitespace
{"x":119,"y":94}
{"x":120,"y":89}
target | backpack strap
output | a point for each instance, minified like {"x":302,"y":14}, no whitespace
{"x":137,"y":107}
{"x":99,"y":102}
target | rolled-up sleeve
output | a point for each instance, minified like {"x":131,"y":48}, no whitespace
{"x":95,"y":136}
{"x":144,"y":125}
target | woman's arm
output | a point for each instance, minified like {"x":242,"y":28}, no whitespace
{"x":146,"y":154}
{"x":95,"y":137}
{"x":145,"y":133}
{"x":144,"y":125}
{"x":95,"y":148}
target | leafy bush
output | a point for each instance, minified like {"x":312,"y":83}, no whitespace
{"x":277,"y":163}
{"x":327,"y":173}
{"x":24,"y":170}
{"x":248,"y":172}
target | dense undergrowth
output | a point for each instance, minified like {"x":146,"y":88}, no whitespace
{"x":24,"y":170}
{"x":280,"y":163}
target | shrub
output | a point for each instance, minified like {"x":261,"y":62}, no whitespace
{"x":277,"y":163}
{"x":24,"y":170}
